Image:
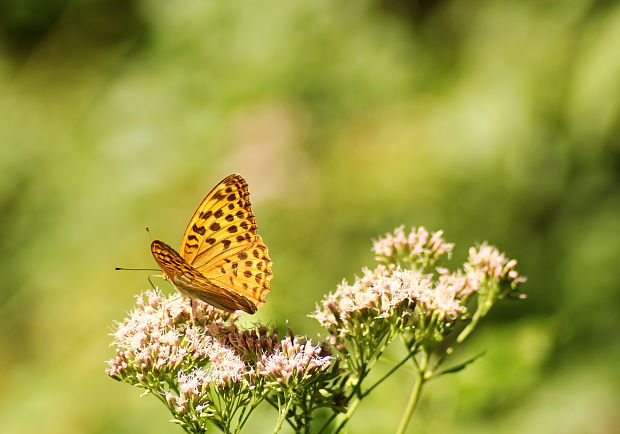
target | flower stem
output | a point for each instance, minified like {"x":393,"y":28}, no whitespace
{"x":469,"y":328}
{"x":352,"y":407}
{"x":283,"y":414}
{"x":484,"y":305}
{"x":329,"y":421}
{"x":390,"y":372}
{"x":415,"y":395}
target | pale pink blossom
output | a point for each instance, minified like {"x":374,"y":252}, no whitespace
{"x":388,"y":293}
{"x":293,"y":359}
{"x":494,"y":264}
{"x":418,"y":246}
{"x":226,"y":366}
{"x":463,"y":284}
{"x":225,"y":369}
{"x":162,"y":333}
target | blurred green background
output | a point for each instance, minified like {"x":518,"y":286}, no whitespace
{"x":492,"y":120}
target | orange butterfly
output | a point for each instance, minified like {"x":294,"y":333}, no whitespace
{"x":223,"y":260}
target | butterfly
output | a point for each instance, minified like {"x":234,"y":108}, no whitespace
{"x":222,"y":260}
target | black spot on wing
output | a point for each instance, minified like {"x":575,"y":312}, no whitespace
{"x":199,"y":229}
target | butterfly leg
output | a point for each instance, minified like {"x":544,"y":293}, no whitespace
{"x":174,"y":299}
{"x":170,"y":301}
{"x":191,"y":306}
{"x":191,"y":310}
{"x":151,"y":282}
{"x":165,"y":311}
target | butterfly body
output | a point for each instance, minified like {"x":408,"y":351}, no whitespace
{"x":222,"y":260}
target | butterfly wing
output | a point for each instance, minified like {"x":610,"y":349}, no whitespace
{"x":192,"y":283}
{"x":222,"y":243}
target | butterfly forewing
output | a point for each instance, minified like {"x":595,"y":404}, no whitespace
{"x":222,"y":259}
{"x":221,"y":241}
{"x":222,"y":219}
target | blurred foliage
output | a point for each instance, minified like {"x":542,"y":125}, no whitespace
{"x":491,"y":120}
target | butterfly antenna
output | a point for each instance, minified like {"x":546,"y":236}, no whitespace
{"x":148,"y":231}
{"x":152,"y":284}
{"x":135,"y":269}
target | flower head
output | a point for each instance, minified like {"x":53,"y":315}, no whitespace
{"x":490,"y":263}
{"x":462,"y":284}
{"x":293,"y":362}
{"x":225,"y":369}
{"x":162,"y":334}
{"x":390,"y":293}
{"x":418,"y":247}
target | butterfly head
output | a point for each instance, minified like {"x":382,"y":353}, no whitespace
{"x":170,"y":262}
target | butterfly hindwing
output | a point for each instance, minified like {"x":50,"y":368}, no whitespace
{"x":192,"y":283}
{"x":247,"y":271}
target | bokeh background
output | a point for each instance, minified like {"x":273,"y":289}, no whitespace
{"x":492,"y":120}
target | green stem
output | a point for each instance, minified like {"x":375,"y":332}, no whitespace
{"x":415,"y":395}
{"x":358,"y":395}
{"x":390,"y":372}
{"x":283,"y":415}
{"x":329,"y":421}
{"x":353,"y":400}
{"x":469,"y":328}
{"x":485,"y":302}
{"x":165,"y":402}
{"x":277,"y":408}
{"x":307,"y":412}
{"x":348,"y":414}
